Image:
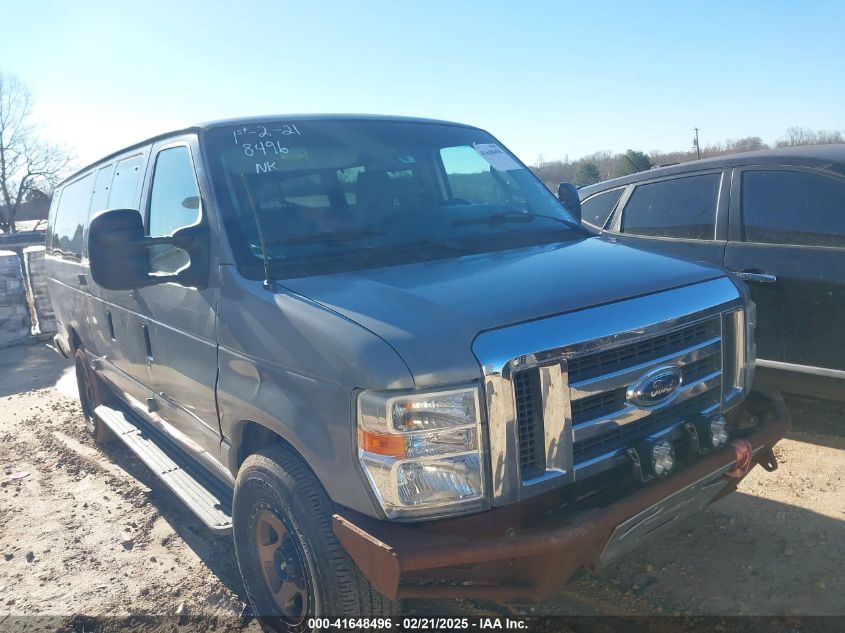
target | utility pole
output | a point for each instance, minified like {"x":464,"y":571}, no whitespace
{"x":695,"y":143}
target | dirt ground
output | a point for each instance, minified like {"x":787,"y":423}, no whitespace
{"x":93,"y":532}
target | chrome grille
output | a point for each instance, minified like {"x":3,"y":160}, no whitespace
{"x":611,"y":360}
{"x":603,"y":422}
{"x":532,"y":459}
{"x":600,"y":404}
{"x":700,"y":368}
{"x":621,"y":437}
{"x":607,"y":347}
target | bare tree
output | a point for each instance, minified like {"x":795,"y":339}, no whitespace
{"x":804,"y":136}
{"x":745,"y":144}
{"x":27,"y":162}
{"x":799,"y":136}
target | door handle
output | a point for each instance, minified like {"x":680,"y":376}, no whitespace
{"x":83,"y":280}
{"x":760,"y":278}
{"x":148,"y":346}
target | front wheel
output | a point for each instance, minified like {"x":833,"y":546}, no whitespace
{"x":292,"y":565}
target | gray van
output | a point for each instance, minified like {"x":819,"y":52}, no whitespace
{"x":391,"y":363}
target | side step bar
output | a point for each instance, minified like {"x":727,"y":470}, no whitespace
{"x":209,"y":507}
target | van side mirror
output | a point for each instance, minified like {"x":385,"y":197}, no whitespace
{"x":119,"y":252}
{"x":568,"y":195}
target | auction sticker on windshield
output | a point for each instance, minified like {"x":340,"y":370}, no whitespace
{"x":496,"y":156}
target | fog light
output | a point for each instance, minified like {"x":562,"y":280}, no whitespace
{"x":662,"y":457}
{"x":719,"y":431}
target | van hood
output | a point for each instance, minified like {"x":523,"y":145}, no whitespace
{"x":430,"y":312}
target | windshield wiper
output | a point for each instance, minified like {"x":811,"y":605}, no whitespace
{"x":327,"y":236}
{"x":507,"y":217}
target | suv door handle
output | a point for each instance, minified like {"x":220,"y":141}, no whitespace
{"x":760,"y":278}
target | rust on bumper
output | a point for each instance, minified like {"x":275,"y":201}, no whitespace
{"x":519,"y":554}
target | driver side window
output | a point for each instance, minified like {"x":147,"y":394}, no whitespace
{"x":174,"y":204}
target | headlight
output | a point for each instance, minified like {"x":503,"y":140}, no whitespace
{"x":422,"y":452}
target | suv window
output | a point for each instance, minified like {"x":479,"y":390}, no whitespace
{"x":123,"y":193}
{"x":174,"y":204}
{"x":596,"y":209}
{"x":71,"y":216}
{"x":681,"y":208}
{"x":793,"y":207}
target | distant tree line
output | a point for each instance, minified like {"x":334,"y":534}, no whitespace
{"x":604,"y":165}
{"x":30,"y":167}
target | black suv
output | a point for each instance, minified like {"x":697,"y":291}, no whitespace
{"x":777,"y":219}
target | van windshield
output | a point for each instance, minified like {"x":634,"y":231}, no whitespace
{"x":325,"y":196}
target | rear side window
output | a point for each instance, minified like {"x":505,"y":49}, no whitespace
{"x":596,"y":209}
{"x":102,"y":184}
{"x":792,"y":207}
{"x":71,"y":216}
{"x":123,"y":193}
{"x":681,"y":208}
{"x":51,"y":219}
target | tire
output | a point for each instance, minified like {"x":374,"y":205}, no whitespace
{"x":312,"y":574}
{"x":90,"y":396}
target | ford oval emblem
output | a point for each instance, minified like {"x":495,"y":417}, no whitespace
{"x":657,"y":387}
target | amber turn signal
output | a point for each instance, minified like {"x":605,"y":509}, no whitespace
{"x":381,"y":443}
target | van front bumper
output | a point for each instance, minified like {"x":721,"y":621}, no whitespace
{"x":518,"y":554}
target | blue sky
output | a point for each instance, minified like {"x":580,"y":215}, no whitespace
{"x":548,"y":78}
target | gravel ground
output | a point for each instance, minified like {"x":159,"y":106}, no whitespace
{"x":93,"y":532}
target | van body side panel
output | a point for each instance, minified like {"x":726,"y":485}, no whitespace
{"x":181,"y":333}
{"x":68,"y":300}
{"x":67,"y":270}
{"x":53,"y":287}
{"x":115,"y":326}
{"x":294,"y":367}
{"x":100,"y":342}
{"x":180,"y":326}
